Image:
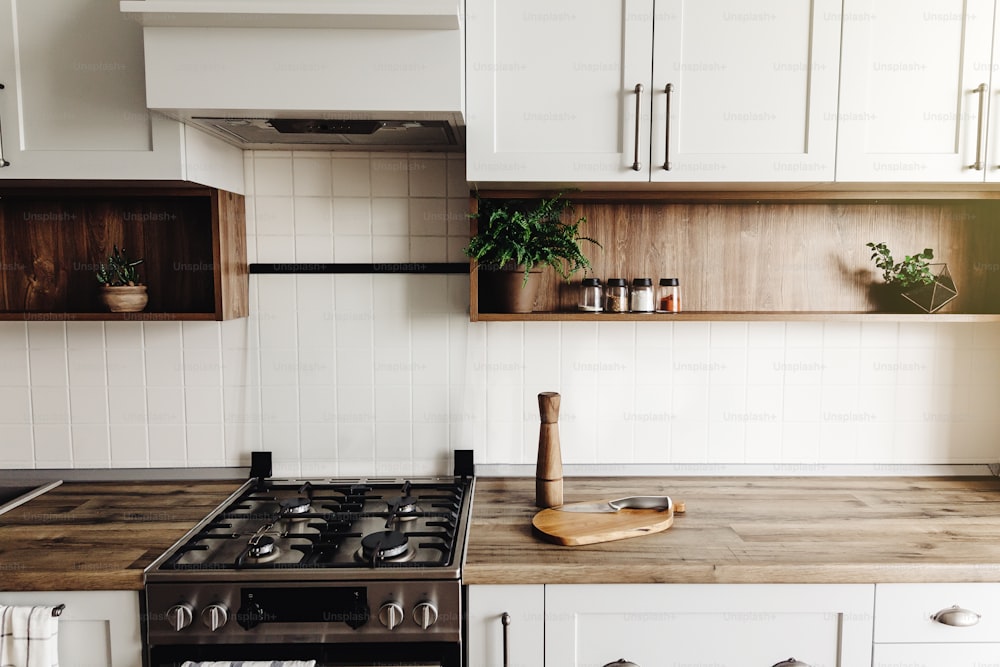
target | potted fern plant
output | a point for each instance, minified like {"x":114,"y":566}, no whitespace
{"x":516,"y":239}
{"x":912,"y":281}
{"x":121,"y":290}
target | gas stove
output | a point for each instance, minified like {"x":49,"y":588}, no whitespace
{"x":317,"y":569}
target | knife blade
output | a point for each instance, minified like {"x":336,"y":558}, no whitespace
{"x":659,"y":503}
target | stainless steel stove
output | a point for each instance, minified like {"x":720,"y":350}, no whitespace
{"x":345,"y":572}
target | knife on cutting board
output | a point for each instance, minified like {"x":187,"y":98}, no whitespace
{"x":605,"y":520}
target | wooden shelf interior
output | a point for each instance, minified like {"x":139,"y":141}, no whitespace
{"x":192,"y":242}
{"x":776,"y":260}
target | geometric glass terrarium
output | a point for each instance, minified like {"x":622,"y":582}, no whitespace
{"x":935,"y":295}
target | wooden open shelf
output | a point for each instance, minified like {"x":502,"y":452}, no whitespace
{"x":193,"y":241}
{"x":774,"y":260}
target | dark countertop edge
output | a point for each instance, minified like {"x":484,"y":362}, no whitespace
{"x":41,"y":475}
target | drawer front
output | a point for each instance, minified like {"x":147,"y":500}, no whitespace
{"x":936,"y":655}
{"x":903,"y":613}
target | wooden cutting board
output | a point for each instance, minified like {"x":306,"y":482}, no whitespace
{"x":576,"y":528}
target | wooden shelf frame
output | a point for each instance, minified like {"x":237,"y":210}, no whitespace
{"x":192,"y":240}
{"x":771,"y":259}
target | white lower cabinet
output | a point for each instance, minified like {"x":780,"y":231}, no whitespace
{"x":506,"y":615}
{"x":652,"y":625}
{"x":937,"y":625}
{"x":96,"y":629}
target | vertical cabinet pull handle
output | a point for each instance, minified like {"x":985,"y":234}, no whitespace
{"x":669,"y":90}
{"x":636,"y":165}
{"x":505,"y":619}
{"x":3,"y":162}
{"x":978,"y":166}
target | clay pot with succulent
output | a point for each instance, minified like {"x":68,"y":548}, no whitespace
{"x":121,"y":289}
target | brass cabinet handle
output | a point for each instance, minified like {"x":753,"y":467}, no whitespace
{"x":636,"y":165}
{"x":956,"y":617}
{"x":3,"y":162}
{"x":669,"y":90}
{"x":505,"y":619}
{"x":978,"y":166}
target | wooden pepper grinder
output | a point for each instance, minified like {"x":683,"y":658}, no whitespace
{"x":548,"y":473}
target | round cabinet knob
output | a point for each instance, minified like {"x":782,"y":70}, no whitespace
{"x":215,"y":616}
{"x":425,"y":615}
{"x":390,"y":615}
{"x":180,"y":616}
{"x":957,"y":617}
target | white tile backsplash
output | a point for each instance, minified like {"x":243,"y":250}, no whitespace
{"x":353,"y":374}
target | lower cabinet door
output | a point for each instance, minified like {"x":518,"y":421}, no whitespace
{"x":936,"y":655}
{"x":522,"y":629}
{"x":96,"y":628}
{"x":750,"y":625}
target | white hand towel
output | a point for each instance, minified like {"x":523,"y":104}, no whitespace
{"x":245,"y":663}
{"x":29,"y":637}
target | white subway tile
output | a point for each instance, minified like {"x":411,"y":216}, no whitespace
{"x":53,"y":446}
{"x":457,"y":186}
{"x":91,"y":445}
{"x":49,"y":405}
{"x":390,"y":177}
{"x":127,"y":405}
{"x":164,"y":368}
{"x":46,"y":335}
{"x":167,"y":445}
{"x":313,"y":216}
{"x":279,"y":405}
{"x":13,"y":364}
{"x":48,"y":368}
{"x":272,"y":175}
{"x":129,"y":446}
{"x":348,"y":249}
{"x":428,"y":249}
{"x":203,"y":405}
{"x":15,"y":405}
{"x":428,"y":176}
{"x":85,"y":335}
{"x":351,"y":176}
{"x":88,"y":405}
{"x":273,"y":216}
{"x":312,"y":174}
{"x":429,"y":217}
{"x":205,"y":445}
{"x":164,"y":406}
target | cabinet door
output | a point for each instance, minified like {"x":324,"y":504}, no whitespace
{"x":73,"y":103}
{"x":525,"y":606}
{"x":913,"y":75}
{"x":936,"y":655}
{"x":96,"y":629}
{"x":551,"y":89}
{"x":754,"y":90}
{"x":721,"y":625}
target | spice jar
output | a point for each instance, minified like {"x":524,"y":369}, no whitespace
{"x":668,"y":296}
{"x":591,"y":295}
{"x":642,"y":296}
{"x":616,"y":296}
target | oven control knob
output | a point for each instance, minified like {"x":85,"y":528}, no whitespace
{"x":425,"y":615}
{"x":390,"y":615}
{"x":180,"y":616}
{"x":215,"y":616}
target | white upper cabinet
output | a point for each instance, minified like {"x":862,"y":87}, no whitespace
{"x":560,"y":91}
{"x":753,"y":90}
{"x":73,"y":101}
{"x":915,"y":92}
{"x":551,"y":89}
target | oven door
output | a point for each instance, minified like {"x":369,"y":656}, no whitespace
{"x":387,"y":654}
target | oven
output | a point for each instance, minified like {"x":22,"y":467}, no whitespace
{"x":332,"y":572}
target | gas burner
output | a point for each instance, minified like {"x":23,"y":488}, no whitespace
{"x":383,"y":545}
{"x":403,"y":508}
{"x":292,"y":506}
{"x":262,"y":549}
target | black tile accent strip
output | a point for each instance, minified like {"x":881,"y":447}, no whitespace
{"x":377,"y":267}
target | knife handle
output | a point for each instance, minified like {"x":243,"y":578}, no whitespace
{"x":548,"y":471}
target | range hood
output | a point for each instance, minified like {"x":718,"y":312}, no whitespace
{"x":309,"y":74}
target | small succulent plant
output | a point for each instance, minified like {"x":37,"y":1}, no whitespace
{"x":119,"y":270}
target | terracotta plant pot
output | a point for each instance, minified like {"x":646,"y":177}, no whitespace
{"x":125,"y":298}
{"x":506,"y":291}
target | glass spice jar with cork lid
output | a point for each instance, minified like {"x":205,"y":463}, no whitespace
{"x":616,"y":296}
{"x":668,"y":296}
{"x":591,"y":296}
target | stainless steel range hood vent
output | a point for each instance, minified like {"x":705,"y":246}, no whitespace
{"x":306,"y":133}
{"x":300,"y":74}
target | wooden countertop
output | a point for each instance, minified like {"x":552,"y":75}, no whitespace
{"x":753,"y":530}
{"x":99,"y":535}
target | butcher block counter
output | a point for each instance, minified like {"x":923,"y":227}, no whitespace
{"x":99,"y":535}
{"x":752,"y":530}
